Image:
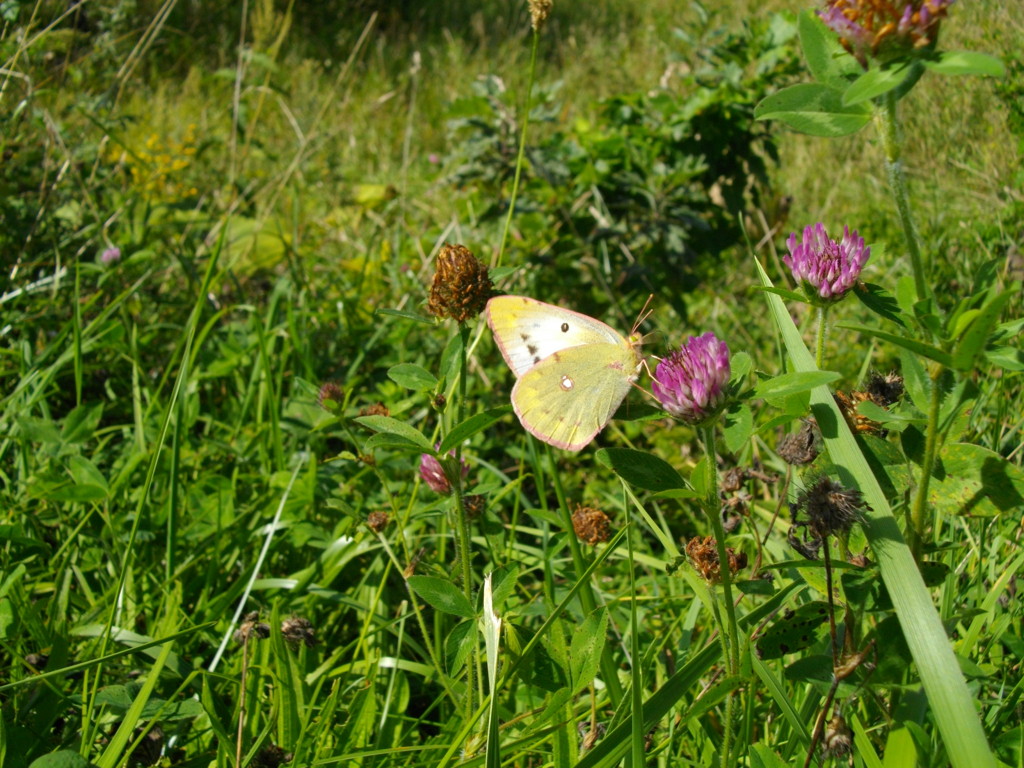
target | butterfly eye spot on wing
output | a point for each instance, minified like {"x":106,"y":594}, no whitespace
{"x":565,"y":327}
{"x":567,"y":383}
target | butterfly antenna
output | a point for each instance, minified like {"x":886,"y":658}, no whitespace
{"x":644,"y":313}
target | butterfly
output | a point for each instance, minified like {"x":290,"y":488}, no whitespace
{"x":572,"y":371}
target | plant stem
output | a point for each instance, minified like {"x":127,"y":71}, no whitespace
{"x":819,"y":344}
{"x":931,"y":443}
{"x":609,"y":669}
{"x":889,"y":129}
{"x":496,"y":262}
{"x":462,"y":524}
{"x":713,"y":509}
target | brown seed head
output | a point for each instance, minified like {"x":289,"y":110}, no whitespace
{"x":474,"y":506}
{"x":801,"y":447}
{"x":377,"y":521}
{"x":252,"y":628}
{"x":539,"y":12}
{"x":838,"y":739}
{"x":330,"y":396}
{"x":377,"y":409}
{"x":885,"y":390}
{"x":271,"y":756}
{"x":703,"y":553}
{"x":298,"y":630}
{"x":461,"y":285}
{"x":831,"y":508}
{"x":592,"y":526}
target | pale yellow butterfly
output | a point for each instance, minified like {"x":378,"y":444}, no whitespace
{"x":572,"y":371}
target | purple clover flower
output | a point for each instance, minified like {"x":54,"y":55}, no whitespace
{"x":882,"y":29}
{"x":691,"y":382}
{"x":110,"y":255}
{"x":827,"y":269}
{"x":433,"y":474}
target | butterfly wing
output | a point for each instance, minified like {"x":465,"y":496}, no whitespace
{"x":529,"y":331}
{"x":569,"y":396}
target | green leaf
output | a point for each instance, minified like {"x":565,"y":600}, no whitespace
{"x":739,"y":366}
{"x":1007,"y":358}
{"x":394,"y":443}
{"x":458,"y":644}
{"x":787,"y":384}
{"x":412,"y":377}
{"x":65,"y":758}
{"x":35,"y":430}
{"x":643,"y":470}
{"x":881,"y":302}
{"x":762,"y":756}
{"x":405,"y":315}
{"x":828,"y":61}
{"x":874,"y":83}
{"x":84,"y":472}
{"x":472,"y":425}
{"x":739,"y":426}
{"x":814,"y":109}
{"x":389,"y":426}
{"x":975,"y":338}
{"x":976,"y":481}
{"x":925,"y":350}
{"x":915,"y":380}
{"x":81,"y":423}
{"x":441,"y":595}
{"x":793,"y":632}
{"x":451,"y":358}
{"x":787,"y":294}
{"x":966,"y":63}
{"x":588,"y":642}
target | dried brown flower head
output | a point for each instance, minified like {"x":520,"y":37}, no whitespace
{"x":539,"y":12}
{"x":377,"y":409}
{"x":733,"y":479}
{"x":474,"y":505}
{"x":857,"y":421}
{"x":461,"y":285}
{"x":703,"y":554}
{"x":252,"y":628}
{"x":330,"y":396}
{"x":831,"y":508}
{"x":410,"y":569}
{"x":592,"y":526}
{"x":378,"y":521}
{"x":801,"y":447}
{"x":298,"y":630}
{"x":838,"y":739}
{"x":825,"y":509}
{"x":271,"y":756}
{"x":885,"y":389}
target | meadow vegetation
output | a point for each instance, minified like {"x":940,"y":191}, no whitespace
{"x":264,"y":504}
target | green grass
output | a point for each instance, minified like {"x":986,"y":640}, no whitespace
{"x":166,"y":467}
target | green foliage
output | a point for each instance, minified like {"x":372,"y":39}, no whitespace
{"x":652,"y":183}
{"x":179,"y":490}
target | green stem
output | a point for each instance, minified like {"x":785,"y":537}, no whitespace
{"x":609,"y":669}
{"x":522,"y":151}
{"x":462,"y":523}
{"x":713,"y":508}
{"x":931,"y":443}
{"x":889,"y":129}
{"x":819,"y":344}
